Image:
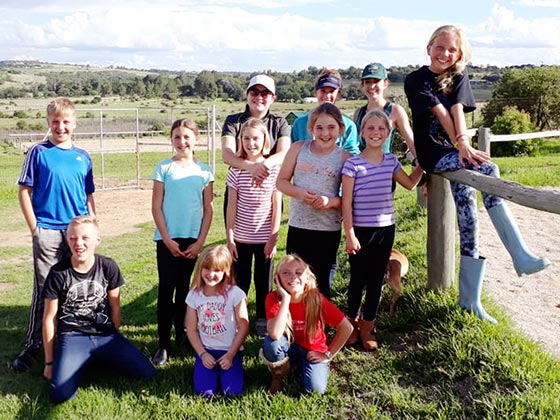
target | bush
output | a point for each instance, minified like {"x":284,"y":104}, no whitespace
{"x":20,"y":114}
{"x":21,"y":125}
{"x":514,"y":121}
{"x":159,"y":126}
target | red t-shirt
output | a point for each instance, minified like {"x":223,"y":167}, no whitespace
{"x":332,"y":316}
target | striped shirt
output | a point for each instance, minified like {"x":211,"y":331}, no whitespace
{"x":372,"y":201}
{"x":253,"y":215}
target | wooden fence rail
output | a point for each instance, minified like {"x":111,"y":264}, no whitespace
{"x":441,"y":208}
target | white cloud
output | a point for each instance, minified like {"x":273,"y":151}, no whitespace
{"x":233,"y":35}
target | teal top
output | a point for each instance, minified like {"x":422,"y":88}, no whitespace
{"x":183,"y":204}
{"x":388,"y":145}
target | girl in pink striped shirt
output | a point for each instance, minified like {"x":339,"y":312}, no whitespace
{"x":253,"y":217}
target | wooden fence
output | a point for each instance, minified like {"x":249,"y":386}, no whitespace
{"x":441,"y":208}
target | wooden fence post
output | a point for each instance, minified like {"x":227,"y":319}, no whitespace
{"x":484,"y":139}
{"x":441,"y":233}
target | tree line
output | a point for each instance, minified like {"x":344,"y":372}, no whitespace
{"x":524,"y":98}
{"x":87,"y":81}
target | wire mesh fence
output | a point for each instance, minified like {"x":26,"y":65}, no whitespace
{"x":125,"y":143}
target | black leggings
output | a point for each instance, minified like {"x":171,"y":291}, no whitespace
{"x":318,"y":249}
{"x":262,"y":275}
{"x":367,"y":269}
{"x":174,"y":279}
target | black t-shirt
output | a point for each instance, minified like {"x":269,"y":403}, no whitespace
{"x":423,"y":93}
{"x":277,"y":126}
{"x":83,"y":304}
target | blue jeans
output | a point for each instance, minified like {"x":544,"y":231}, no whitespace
{"x":207,"y":381}
{"x":465,"y":201}
{"x":74,"y":351}
{"x":314,"y":376}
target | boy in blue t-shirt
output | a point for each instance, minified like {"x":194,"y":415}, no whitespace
{"x":55,"y":185}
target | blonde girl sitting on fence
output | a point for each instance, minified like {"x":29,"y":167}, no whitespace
{"x":439,"y":95}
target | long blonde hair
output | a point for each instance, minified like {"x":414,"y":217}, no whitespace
{"x":445,"y":79}
{"x":214,"y":257}
{"x":312,"y":298}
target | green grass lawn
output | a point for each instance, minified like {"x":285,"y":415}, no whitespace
{"x":435,"y":360}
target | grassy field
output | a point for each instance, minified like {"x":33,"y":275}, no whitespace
{"x":435,"y":361}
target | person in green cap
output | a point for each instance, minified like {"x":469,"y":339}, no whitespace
{"x":374,"y":82}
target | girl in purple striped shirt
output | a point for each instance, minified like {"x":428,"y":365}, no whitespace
{"x":369,"y":222}
{"x":253,"y":217}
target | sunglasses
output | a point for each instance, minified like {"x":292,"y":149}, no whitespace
{"x":257,"y":92}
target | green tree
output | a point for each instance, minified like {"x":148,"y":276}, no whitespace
{"x":514,"y":121}
{"x":205,"y":84}
{"x":532,"y":89}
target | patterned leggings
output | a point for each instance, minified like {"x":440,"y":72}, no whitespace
{"x":465,"y":201}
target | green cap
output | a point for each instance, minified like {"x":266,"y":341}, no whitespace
{"x":374,"y":71}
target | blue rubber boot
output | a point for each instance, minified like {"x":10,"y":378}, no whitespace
{"x":524,"y":261}
{"x":471,"y":276}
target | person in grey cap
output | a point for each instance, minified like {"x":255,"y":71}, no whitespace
{"x":261,"y":93}
{"x":374,"y":82}
{"x":328,"y":87}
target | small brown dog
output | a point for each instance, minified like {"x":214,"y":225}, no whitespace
{"x":396,"y":269}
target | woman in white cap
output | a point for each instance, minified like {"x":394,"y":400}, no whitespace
{"x":261,"y":94}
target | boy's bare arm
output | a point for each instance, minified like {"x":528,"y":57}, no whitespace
{"x":114,"y":296}
{"x":49,"y":331}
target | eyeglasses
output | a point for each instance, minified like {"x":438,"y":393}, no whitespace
{"x":257,"y":92}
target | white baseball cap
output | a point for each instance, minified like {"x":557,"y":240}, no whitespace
{"x":262,"y":79}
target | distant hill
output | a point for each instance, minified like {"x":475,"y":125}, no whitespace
{"x":28,"y":78}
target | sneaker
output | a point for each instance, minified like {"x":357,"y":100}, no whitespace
{"x":161,"y":357}
{"x":25,"y":358}
{"x":261,"y":328}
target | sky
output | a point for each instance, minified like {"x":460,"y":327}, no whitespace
{"x":278,"y":35}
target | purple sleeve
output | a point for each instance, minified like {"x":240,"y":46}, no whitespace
{"x":349,"y":169}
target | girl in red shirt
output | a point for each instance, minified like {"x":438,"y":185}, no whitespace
{"x":296,"y":316}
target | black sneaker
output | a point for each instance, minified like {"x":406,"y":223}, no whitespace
{"x":161,"y":357}
{"x":25,"y":358}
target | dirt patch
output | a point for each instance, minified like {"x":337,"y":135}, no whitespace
{"x":533,"y":301}
{"x":119,"y":211}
